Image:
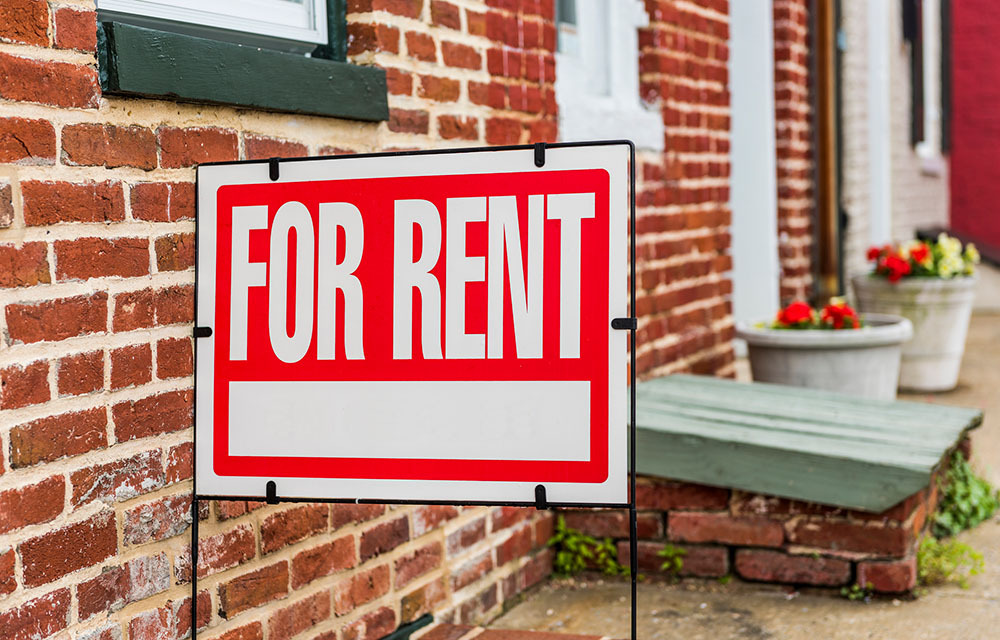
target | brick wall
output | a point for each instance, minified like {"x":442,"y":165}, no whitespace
{"x":794,"y":147}
{"x":96,"y":309}
{"x":768,"y":539}
{"x":683,"y":216}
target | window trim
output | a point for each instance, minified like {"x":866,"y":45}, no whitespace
{"x":141,"y":62}
{"x":229,"y":20}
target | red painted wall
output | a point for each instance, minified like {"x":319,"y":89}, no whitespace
{"x":975,"y":120}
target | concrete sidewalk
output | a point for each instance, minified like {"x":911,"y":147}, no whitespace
{"x":706,"y":609}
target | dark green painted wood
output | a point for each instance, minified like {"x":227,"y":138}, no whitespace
{"x":145,"y":62}
{"x":792,"y":442}
{"x":336,"y":22}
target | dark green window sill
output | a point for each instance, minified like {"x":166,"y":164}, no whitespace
{"x":135,"y":61}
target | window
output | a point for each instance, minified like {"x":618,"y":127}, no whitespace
{"x":280,"y":55}
{"x":597,"y":76}
{"x":282,"y":24}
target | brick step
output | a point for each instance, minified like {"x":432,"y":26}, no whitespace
{"x":444,"y":631}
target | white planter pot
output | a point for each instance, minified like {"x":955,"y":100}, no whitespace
{"x":862,"y":362}
{"x":939,"y":310}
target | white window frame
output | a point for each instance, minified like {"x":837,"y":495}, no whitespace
{"x":597,"y":76}
{"x":929,"y":149}
{"x":289,"y":25}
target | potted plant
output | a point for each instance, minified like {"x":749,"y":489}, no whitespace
{"x":833,"y":349}
{"x":931,"y":284}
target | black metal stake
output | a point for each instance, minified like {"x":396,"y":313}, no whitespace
{"x":194,"y":566}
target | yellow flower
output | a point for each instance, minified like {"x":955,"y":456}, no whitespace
{"x":949,"y":246}
{"x":950,"y":265}
{"x":972,"y":253}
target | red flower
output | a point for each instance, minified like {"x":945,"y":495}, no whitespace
{"x":840,"y":316}
{"x":919,"y":253}
{"x":894,"y":267}
{"x":795,"y":313}
{"x":874,"y":253}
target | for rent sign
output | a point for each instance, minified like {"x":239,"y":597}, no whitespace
{"x":415,"y":327}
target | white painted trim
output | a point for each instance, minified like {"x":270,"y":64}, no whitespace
{"x":303,"y":21}
{"x":929,"y":149}
{"x":754,"y":190}
{"x":597,"y":77}
{"x":879,"y":124}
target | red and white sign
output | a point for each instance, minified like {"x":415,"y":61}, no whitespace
{"x":415,"y":327}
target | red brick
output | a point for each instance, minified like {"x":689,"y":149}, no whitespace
{"x":180,"y":463}
{"x":461,"y":127}
{"x":76,"y":29}
{"x":899,"y":576}
{"x":669,"y":496}
{"x":421,"y":46}
{"x":371,"y":37}
{"x":430,"y":517}
{"x":163,"y":201}
{"x":109,"y":146}
{"x":80,"y":373}
{"x":259,"y":147}
{"x":447,"y":632}
{"x":253,"y":589}
{"x":516,"y":546}
{"x":445,"y":14}
{"x":218,"y":553}
{"x":171,"y":621}
{"x":8,"y":582}
{"x":416,"y":564}
{"x":118,"y":586}
{"x":175,"y":252}
{"x":174,"y":305}
{"x":720,"y":527}
{"x":476,"y":22}
{"x":57,"y":319}
{"x":286,"y":527}
{"x":174,"y":358}
{"x":25,"y":21}
{"x":51,"y":438}
{"x":252,"y":631}
{"x":467,"y":536}
{"x":52,"y":202}
{"x":702,"y":562}
{"x":163,"y":413}
{"x":503,"y":131}
{"x":471,"y":571}
{"x":229,"y":509}
{"x":135,"y":310}
{"x":56,"y":83}
{"x":409,"y":121}
{"x":384,"y":537}
{"x":52,"y":555}
{"x":21,"y":386}
{"x":188,"y":147}
{"x":613,"y":524}
{"x":399,"y":82}
{"x":119,"y":480}
{"x":298,"y":617}
{"x":407,"y":8}
{"x":322,"y":561}
{"x":32,"y":504}
{"x":27,"y":141}
{"x":439,"y":89}
{"x":344,"y":514}
{"x":361,"y":588}
{"x":422,"y":600}
{"x":131,"y":366}
{"x":372,"y":626}
{"x":461,"y":56}
{"x":37,"y":618}
{"x":157,"y":520}
{"x":775,"y":566}
{"x":99,"y":257}
{"x":846,"y":536}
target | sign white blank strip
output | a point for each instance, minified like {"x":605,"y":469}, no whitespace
{"x":461,"y":420}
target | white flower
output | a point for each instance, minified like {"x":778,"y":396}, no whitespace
{"x":950,"y":266}
{"x":950,"y":247}
{"x":972,"y":253}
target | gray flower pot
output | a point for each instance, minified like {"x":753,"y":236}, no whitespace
{"x":939,"y":310}
{"x":862,"y":362}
